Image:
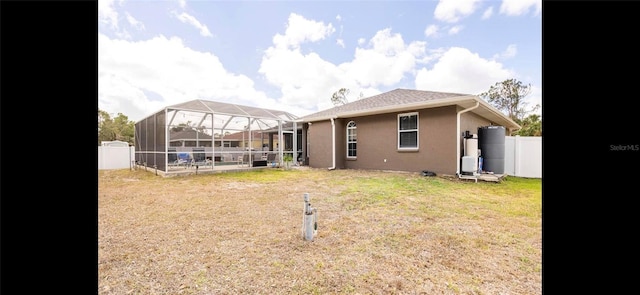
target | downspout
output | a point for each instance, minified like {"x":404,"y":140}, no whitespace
{"x":458,"y":136}
{"x":333,"y":144}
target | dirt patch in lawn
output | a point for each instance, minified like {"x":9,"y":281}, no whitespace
{"x":378,"y":233}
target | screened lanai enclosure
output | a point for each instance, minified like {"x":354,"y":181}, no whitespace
{"x":200,"y":136}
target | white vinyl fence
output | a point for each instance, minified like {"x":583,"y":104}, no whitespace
{"x":523,"y":156}
{"x":115,"y":157}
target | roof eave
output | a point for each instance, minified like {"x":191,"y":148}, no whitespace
{"x":499,"y":117}
{"x":496,"y":116}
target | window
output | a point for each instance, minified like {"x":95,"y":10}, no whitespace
{"x":408,"y":131}
{"x":351,"y":140}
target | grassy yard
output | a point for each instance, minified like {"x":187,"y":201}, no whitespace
{"x":378,"y":233}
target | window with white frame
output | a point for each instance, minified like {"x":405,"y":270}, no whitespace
{"x":408,"y":131}
{"x":352,"y":141}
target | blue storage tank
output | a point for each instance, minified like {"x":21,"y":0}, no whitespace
{"x":491,"y":144}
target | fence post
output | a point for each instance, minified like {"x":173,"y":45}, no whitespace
{"x":100,"y":163}
{"x":516,"y":155}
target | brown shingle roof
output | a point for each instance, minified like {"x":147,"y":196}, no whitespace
{"x":392,"y":98}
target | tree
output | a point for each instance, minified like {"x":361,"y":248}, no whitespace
{"x":508,"y":97}
{"x":182,"y":127}
{"x":531,"y":126}
{"x":118,"y":128}
{"x":340,"y":97}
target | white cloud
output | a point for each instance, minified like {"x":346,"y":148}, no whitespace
{"x":431,"y":30}
{"x":387,"y":61}
{"x":510,"y":52}
{"x":107,"y":14}
{"x":519,"y":7}
{"x":460,"y":71}
{"x":385,"y":43}
{"x":455,"y":29}
{"x":453,"y":10}
{"x":307,"y":80}
{"x":302,"y":79}
{"x":134,"y":22}
{"x":487,"y":13}
{"x":340,"y":42}
{"x":183,"y":3}
{"x":430,"y":55}
{"x":338,"y":17}
{"x":175,"y":73}
{"x":361,"y":41}
{"x":300,"y":30}
{"x":123,"y":34}
{"x":189,"y":19}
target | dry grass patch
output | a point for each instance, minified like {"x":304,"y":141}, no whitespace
{"x":378,"y":233}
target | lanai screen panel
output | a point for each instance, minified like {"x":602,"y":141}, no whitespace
{"x":140,"y":141}
{"x":189,"y":128}
{"x":225,"y":108}
{"x":160,"y":140}
{"x":150,"y":141}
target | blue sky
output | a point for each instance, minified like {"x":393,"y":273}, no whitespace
{"x":292,"y":55}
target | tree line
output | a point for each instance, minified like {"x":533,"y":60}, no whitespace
{"x":508,"y":97}
{"x":117,"y":128}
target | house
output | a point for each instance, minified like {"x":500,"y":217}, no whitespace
{"x":399,"y":130}
{"x":291,"y":140}
{"x":189,"y":138}
{"x":260,"y":140}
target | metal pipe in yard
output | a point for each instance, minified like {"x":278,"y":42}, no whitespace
{"x":309,"y":220}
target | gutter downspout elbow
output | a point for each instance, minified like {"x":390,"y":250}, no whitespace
{"x":333,"y":144}
{"x":458,"y":135}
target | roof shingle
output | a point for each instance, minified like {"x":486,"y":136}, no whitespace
{"x":392,"y":98}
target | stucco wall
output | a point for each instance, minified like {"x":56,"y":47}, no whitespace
{"x":471,"y":122}
{"x":319,"y":143}
{"x":378,"y":141}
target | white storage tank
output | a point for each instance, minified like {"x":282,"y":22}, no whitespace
{"x":471,"y":146}
{"x":469,"y":165}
